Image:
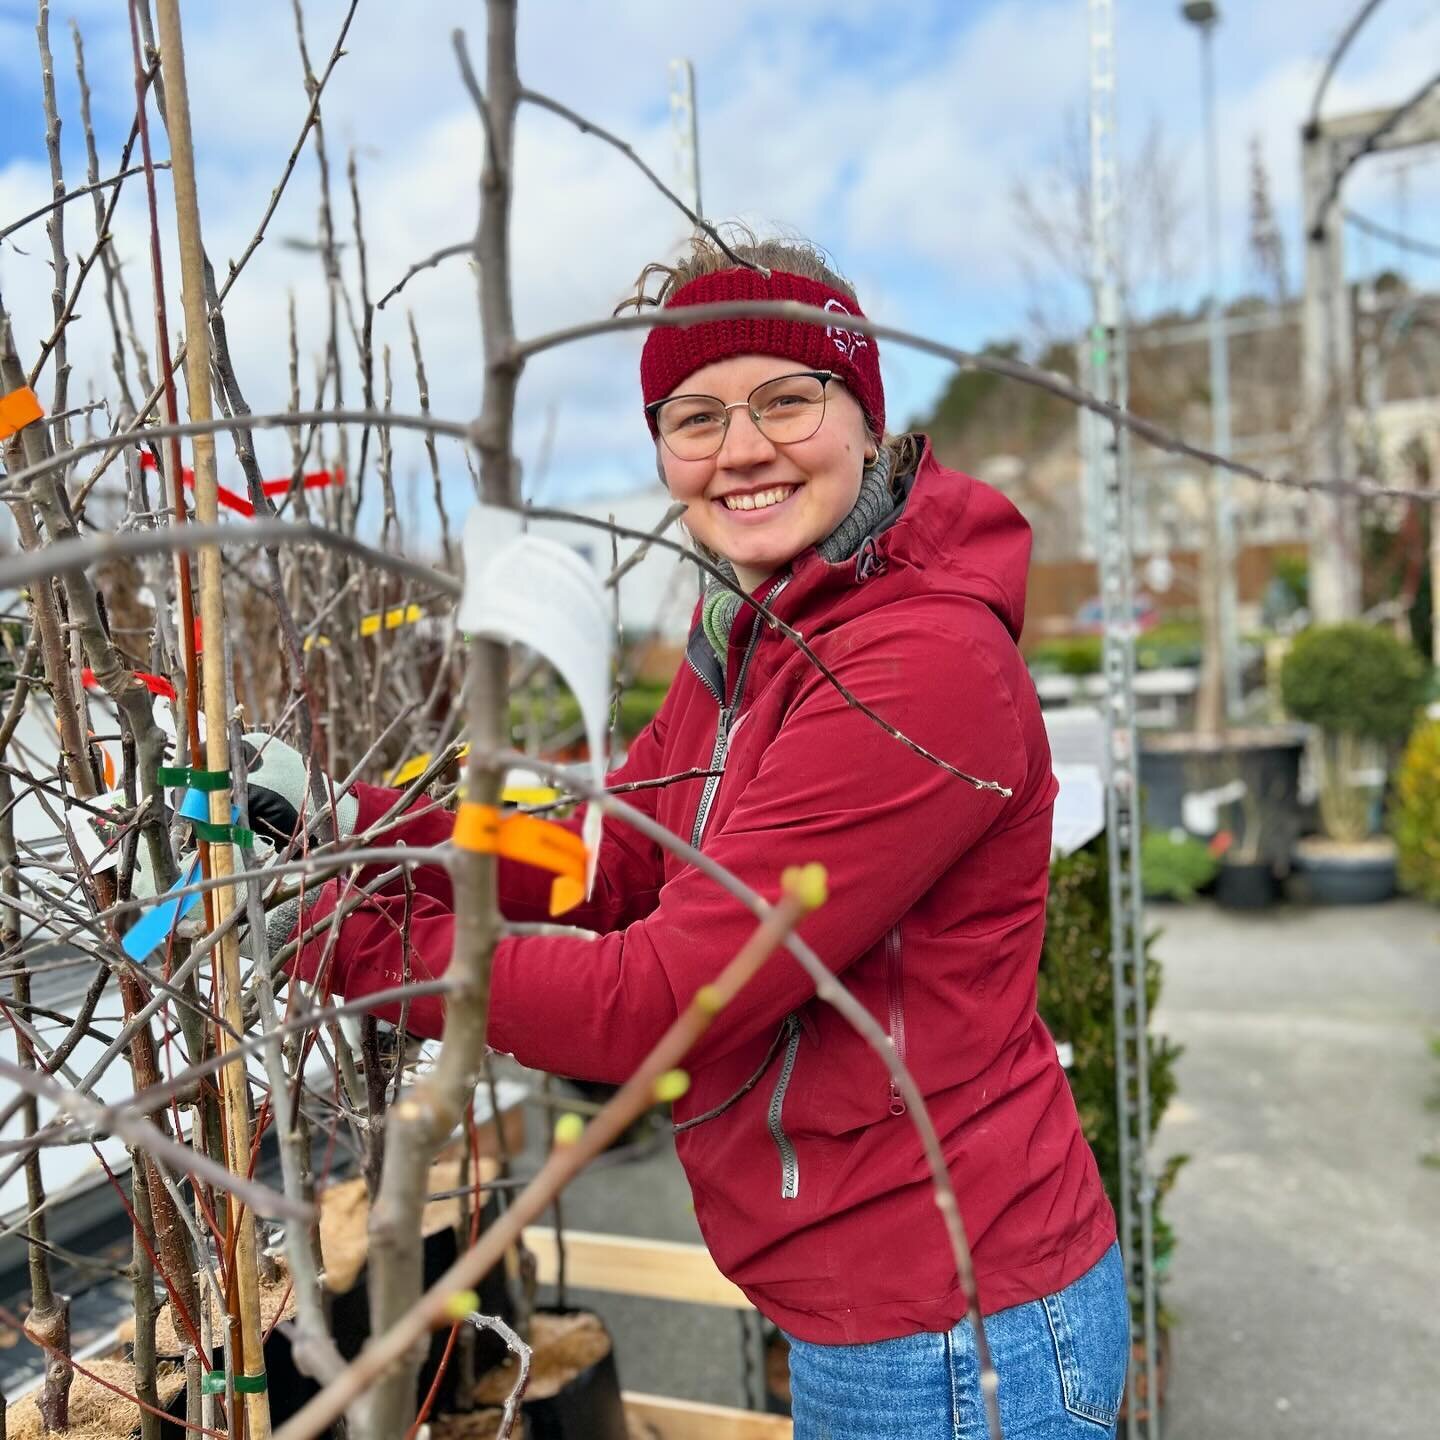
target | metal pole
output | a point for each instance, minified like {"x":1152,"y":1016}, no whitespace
{"x":686,"y":132}
{"x":1110,"y":456}
{"x":1221,"y":481}
{"x":1327,"y":375}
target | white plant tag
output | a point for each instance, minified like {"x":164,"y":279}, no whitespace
{"x":527,"y":590}
{"x":1200,"y":809}
{"x":1079,"y":814}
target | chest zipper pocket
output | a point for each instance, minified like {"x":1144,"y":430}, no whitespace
{"x":895,"y":992}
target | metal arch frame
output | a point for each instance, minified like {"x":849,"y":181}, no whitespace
{"x":1329,"y":150}
{"x":1107,"y":455}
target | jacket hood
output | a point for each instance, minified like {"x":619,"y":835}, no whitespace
{"x":958,"y":534}
{"x":969,"y":532}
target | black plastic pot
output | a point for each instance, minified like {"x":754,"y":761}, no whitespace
{"x":777,"y":1373}
{"x":1175,"y":763}
{"x":589,"y":1407}
{"x":1329,"y":873}
{"x":1246,"y":885}
{"x":290,"y":1390}
{"x":287,"y":1388}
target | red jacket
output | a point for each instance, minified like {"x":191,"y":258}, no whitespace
{"x":809,"y":1182}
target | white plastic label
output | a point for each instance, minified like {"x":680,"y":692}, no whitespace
{"x":1200,"y":809}
{"x":1079,"y":807}
{"x":527,"y":590}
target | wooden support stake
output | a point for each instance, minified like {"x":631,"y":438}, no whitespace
{"x":660,"y":1417}
{"x":212,"y":621}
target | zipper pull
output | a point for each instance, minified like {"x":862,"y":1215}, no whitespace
{"x":897,"y":1100}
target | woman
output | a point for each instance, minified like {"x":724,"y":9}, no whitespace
{"x":809,"y":1182}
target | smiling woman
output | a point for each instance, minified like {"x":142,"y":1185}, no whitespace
{"x":764,"y":487}
{"x":810,"y":1186}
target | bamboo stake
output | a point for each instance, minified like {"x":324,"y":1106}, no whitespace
{"x":217,"y":748}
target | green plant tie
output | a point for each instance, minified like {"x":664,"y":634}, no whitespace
{"x":213,"y":1382}
{"x":194,"y":777}
{"x":219,"y":834}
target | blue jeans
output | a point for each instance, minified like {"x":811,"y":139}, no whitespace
{"x":1060,"y":1360}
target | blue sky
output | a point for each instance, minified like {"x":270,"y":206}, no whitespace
{"x":893,"y":134}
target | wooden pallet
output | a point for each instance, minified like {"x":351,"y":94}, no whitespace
{"x":657,"y":1270}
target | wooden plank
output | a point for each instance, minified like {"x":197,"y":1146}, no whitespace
{"x":620,"y":1265}
{"x":656,"y":1417}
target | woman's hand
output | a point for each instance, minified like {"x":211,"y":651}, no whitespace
{"x":279,"y":790}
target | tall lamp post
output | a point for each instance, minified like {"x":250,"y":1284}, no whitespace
{"x":1205,"y":16}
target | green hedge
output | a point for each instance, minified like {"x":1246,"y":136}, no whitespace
{"x":1173,"y":644}
{"x":1415,"y":815}
{"x":1075,"y":998}
{"x":1174,"y":865}
{"x":638,"y":704}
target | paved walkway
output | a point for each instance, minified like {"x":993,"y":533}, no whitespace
{"x":1306,"y":1283}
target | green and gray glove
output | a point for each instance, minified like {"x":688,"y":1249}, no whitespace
{"x":278,"y":791}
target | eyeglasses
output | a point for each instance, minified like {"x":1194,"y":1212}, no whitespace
{"x":785,"y":410}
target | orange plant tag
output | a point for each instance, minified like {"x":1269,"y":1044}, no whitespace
{"x":483,"y":829}
{"x":477,"y":828}
{"x":17,"y":410}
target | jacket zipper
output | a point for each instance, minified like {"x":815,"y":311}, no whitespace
{"x":895,"y":986}
{"x":727,"y":718}
{"x":789,"y":1164}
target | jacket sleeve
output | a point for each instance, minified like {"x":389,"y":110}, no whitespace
{"x":628,"y":869}
{"x":832,"y":787}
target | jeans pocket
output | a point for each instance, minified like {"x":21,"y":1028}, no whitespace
{"x":1090,"y":1325}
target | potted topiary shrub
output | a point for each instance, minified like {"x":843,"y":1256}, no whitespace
{"x":1415,"y":813}
{"x":1360,"y":688}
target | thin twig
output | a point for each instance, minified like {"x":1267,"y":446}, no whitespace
{"x":588,"y":127}
{"x":1048,"y":381}
{"x":446,"y":252}
{"x":116,"y":1120}
{"x":75,"y":194}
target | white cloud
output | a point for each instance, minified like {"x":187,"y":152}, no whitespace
{"x":894,"y":142}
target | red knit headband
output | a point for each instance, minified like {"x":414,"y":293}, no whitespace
{"x":671,"y":352}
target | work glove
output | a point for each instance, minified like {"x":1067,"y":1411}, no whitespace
{"x":277,"y":791}
{"x":275,"y":777}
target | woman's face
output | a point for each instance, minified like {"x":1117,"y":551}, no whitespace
{"x":796,"y":493}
